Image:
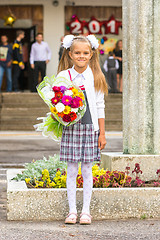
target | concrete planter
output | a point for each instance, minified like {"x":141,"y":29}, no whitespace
{"x":119,"y":161}
{"x":51,"y":204}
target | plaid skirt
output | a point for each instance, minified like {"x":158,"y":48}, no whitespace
{"x":79,"y":143}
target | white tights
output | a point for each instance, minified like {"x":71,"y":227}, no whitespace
{"x":72,"y":171}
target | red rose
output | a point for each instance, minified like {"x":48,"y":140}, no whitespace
{"x":66,"y":118}
{"x":56,"y":89}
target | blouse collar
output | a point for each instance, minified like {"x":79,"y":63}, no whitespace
{"x":85,"y":74}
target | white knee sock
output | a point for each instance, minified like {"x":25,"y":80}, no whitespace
{"x":87,"y":186}
{"x":72,"y":171}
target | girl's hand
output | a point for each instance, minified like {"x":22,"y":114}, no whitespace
{"x":101,"y":141}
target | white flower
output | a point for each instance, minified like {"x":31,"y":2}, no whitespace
{"x":68,"y":92}
{"x":50,"y":95}
{"x":60,"y":107}
{"x":93,"y":40}
{"x":74,"y":110}
{"x":67,"y":41}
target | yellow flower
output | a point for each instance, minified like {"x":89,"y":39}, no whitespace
{"x":53,"y":110}
{"x":45,"y":174}
{"x":81,"y":95}
{"x":52,"y":184}
{"x":79,"y":170}
{"x":75,"y":91}
{"x":58,"y":173}
{"x":40,"y":184}
{"x":67,"y":110}
{"x":27,"y":180}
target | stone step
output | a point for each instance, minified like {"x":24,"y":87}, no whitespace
{"x":19,"y":111}
{"x":113,"y":128}
{"x":5,"y":166}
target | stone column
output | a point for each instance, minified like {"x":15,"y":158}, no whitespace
{"x":141,"y":76}
{"x":141,"y":90}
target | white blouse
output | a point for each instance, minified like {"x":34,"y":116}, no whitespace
{"x":95,"y":99}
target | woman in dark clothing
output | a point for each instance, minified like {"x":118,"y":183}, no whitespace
{"x":118,"y":55}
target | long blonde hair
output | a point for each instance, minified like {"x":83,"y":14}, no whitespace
{"x":99,"y":78}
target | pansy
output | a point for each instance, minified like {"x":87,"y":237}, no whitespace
{"x":55,"y":100}
{"x":56,"y":89}
{"x":60,"y":107}
{"x":66,"y":100}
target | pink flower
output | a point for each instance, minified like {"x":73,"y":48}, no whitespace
{"x":56,"y":89}
{"x":75,"y":102}
{"x":66,"y":118}
{"x":55,"y":100}
{"x":66,"y":100}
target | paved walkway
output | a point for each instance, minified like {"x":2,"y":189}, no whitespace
{"x":17,"y":148}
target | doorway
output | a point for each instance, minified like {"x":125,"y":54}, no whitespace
{"x":26,"y":74}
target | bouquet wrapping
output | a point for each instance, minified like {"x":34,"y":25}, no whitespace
{"x":66,"y":102}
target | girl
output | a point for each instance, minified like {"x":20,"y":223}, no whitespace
{"x":83,"y":141}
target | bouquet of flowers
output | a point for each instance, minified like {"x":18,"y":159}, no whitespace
{"x":66,"y":102}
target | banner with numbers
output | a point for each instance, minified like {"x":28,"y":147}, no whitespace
{"x":94,"y":26}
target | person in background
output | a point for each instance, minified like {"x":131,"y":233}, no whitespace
{"x":39,"y":57}
{"x":24,"y":72}
{"x":110,"y":66}
{"x":6,"y":62}
{"x":61,"y":48}
{"x":18,"y":64}
{"x":118,"y":55}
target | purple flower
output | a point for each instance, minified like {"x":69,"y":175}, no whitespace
{"x":75,"y":102}
{"x":63,"y":89}
{"x":66,"y":100}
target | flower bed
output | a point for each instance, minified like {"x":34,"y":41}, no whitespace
{"x":51,"y":203}
{"x":52,"y":173}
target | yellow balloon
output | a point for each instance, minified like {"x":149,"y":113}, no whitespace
{"x":9,"y":20}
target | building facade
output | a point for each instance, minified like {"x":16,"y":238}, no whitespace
{"x":51,"y":18}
